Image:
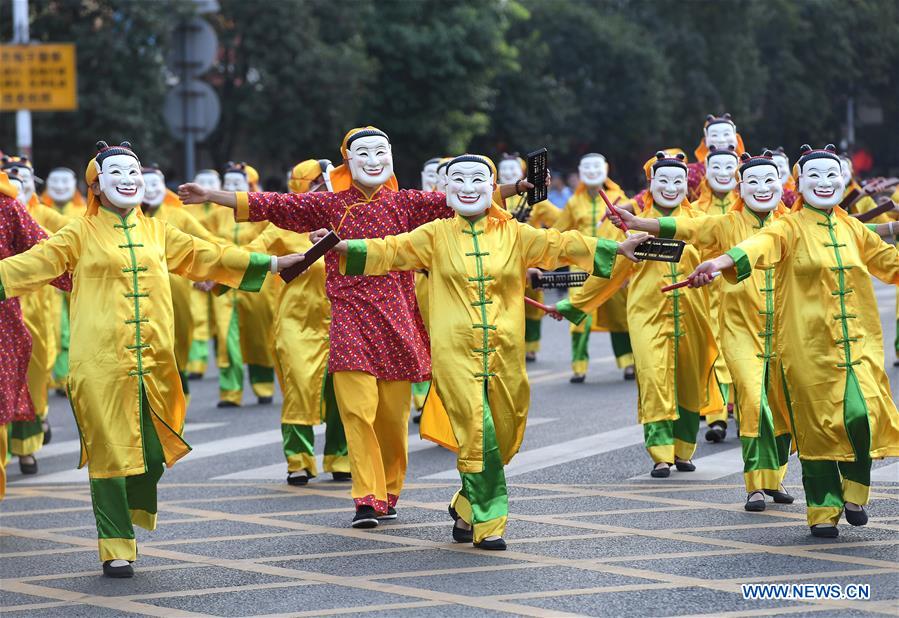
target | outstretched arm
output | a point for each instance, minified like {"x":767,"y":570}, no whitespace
{"x":379,"y":256}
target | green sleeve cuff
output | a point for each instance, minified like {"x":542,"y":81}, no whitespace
{"x":872,"y":227}
{"x":570,"y":312}
{"x":741,"y":263}
{"x":356,"y":255}
{"x":2,"y":291}
{"x":604,"y":257}
{"x":667,"y":227}
{"x":257,"y":270}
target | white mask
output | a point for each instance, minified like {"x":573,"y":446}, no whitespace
{"x":593,"y":171}
{"x":720,"y":171}
{"x":821,"y":183}
{"x":61,"y":186}
{"x":371,"y":161}
{"x":721,"y":135}
{"x":209,"y":180}
{"x":26,"y":178}
{"x":761,"y":188}
{"x":783,"y":167}
{"x":121,"y":181}
{"x":469,"y":188}
{"x":668,"y":186}
{"x":235,"y":181}
{"x":509,"y":172}
{"x":429,"y":177}
{"x":154,"y":189}
{"x":441,"y":180}
{"x":16,"y":184}
{"x":846,"y":171}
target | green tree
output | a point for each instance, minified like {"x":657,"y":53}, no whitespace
{"x":121,"y":78}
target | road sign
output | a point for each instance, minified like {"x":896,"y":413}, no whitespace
{"x":191,"y":108}
{"x":194,"y":47}
{"x":38,"y":77}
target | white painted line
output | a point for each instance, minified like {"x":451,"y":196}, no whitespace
{"x":886,"y":474}
{"x":561,"y":375}
{"x":564,"y":452}
{"x":709,"y":468}
{"x":276,"y":472}
{"x":68,"y":447}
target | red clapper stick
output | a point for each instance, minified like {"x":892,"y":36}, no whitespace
{"x":612,"y":209}
{"x":541,"y":306}
{"x":684,"y":283}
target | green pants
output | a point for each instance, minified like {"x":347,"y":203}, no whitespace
{"x":764,"y":456}
{"x":580,"y":346}
{"x":532,"y":335}
{"x":61,"y":364}
{"x":299,"y":440}
{"x":124,"y":501}
{"x":231,"y":376}
{"x":420,"y":394}
{"x":26,"y":437}
{"x":830,"y":484}
{"x":483,"y":501}
{"x":665,"y":440}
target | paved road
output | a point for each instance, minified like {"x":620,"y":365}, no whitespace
{"x":589,"y":533}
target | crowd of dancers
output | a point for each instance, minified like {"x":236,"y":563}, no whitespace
{"x":427,"y":298}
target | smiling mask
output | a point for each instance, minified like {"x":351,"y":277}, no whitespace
{"x":154,"y":187}
{"x":470,"y":184}
{"x":760,"y":185}
{"x":668,"y":184}
{"x":61,"y":185}
{"x":820,"y":177}
{"x":510,"y":170}
{"x":429,"y":175}
{"x":721,"y":167}
{"x":209,"y":180}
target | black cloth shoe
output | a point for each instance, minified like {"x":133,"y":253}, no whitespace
{"x":389,"y":515}
{"x":366,"y":517}
{"x":684,"y":465}
{"x":630,"y":373}
{"x":578,"y":378}
{"x":341,"y":477}
{"x":118,"y":572}
{"x":61,"y":392}
{"x":780,"y":497}
{"x":492,"y":545}
{"x":825,"y":532}
{"x":856,"y":518}
{"x":297,"y":481}
{"x":417,"y":418}
{"x":530,"y":357}
{"x":28,"y":467}
{"x":757,"y":505}
{"x":227,"y":404}
{"x":717,"y":432}
{"x":264,"y":401}
{"x":660,"y":473}
{"x":896,"y":363}
{"x":194,"y":376}
{"x":460,"y":535}
{"x":48,"y":433}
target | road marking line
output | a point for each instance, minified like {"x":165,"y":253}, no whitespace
{"x":708,"y":468}
{"x":886,"y":474}
{"x":564,"y":452}
{"x":67,"y":447}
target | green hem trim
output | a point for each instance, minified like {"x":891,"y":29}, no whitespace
{"x":356,"y":256}
{"x":667,"y":227}
{"x":257,"y":270}
{"x":570,"y":312}
{"x":741,"y":263}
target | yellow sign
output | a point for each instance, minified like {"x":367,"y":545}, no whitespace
{"x":38,"y":77}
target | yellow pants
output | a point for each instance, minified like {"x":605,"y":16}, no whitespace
{"x":375,"y":415}
{"x":3,"y":445}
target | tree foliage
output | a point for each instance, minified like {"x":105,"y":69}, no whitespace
{"x":624,"y":77}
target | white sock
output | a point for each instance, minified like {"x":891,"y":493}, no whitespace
{"x":852,"y":506}
{"x":119,"y":563}
{"x":756,"y":495}
{"x":298,"y":474}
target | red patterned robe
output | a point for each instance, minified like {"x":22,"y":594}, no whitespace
{"x":18,"y":233}
{"x":695,"y":174}
{"x":375,"y":323}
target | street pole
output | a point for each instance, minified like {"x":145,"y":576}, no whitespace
{"x":20,"y":36}
{"x":850,"y":123}
{"x":190,"y":149}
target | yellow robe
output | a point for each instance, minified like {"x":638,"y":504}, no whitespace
{"x":122,"y":325}
{"x":302,"y":320}
{"x":664,"y":357}
{"x":42,"y":311}
{"x":826,"y":317}
{"x":708,"y":203}
{"x":588,"y":216}
{"x":182,"y":288}
{"x":475,"y":336}
{"x":746,"y":312}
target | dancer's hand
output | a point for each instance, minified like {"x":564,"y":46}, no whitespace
{"x":317,"y":235}
{"x":706,"y":272}
{"x":627,"y":246}
{"x":286,"y":261}
{"x":204,"y":286}
{"x":192,"y":193}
